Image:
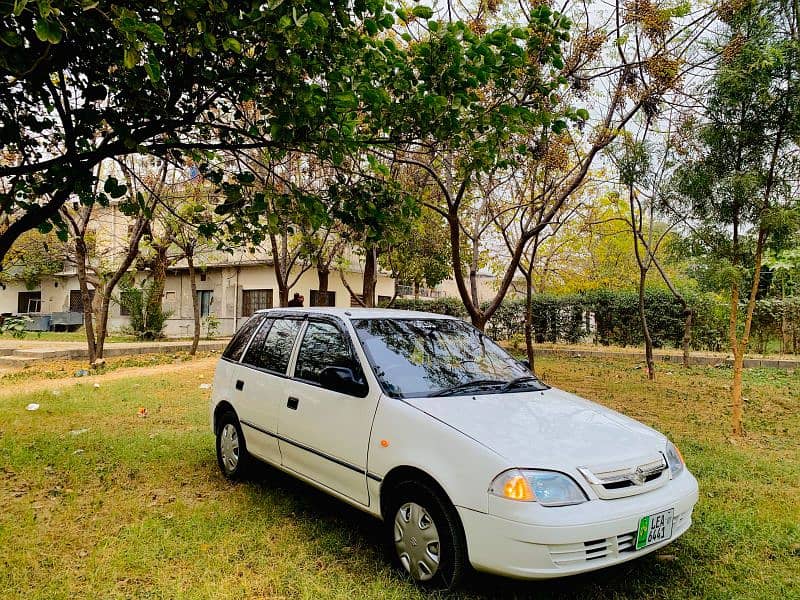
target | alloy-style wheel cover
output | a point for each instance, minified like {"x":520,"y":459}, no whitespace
{"x":229,"y":447}
{"x":416,"y":540}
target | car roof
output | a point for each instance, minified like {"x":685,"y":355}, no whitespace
{"x":357,"y":313}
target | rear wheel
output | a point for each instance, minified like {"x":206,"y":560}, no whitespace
{"x":425,"y":535}
{"x":232,"y":455}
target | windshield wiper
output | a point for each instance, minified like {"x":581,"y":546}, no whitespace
{"x":519,"y":381}
{"x":467,"y":385}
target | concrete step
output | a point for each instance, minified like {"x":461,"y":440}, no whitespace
{"x":43,"y":353}
{"x":17,"y":362}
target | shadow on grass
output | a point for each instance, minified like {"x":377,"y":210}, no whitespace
{"x":647,"y":577}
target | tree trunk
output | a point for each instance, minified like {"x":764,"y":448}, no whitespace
{"x":648,"y":341}
{"x":688,"y":315}
{"x":737,"y":404}
{"x":370,"y":277}
{"x":159,"y":280}
{"x":529,"y":319}
{"x":323,"y":274}
{"x":86,"y":301}
{"x":195,"y":304}
{"x":102,"y":320}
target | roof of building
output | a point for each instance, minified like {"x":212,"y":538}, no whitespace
{"x":359,"y":313}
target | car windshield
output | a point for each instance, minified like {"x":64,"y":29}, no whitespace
{"x":415,"y":358}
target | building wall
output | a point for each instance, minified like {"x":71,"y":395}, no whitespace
{"x":229,"y":283}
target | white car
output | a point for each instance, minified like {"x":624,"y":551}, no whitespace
{"x":469,"y":459}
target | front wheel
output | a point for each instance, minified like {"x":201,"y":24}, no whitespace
{"x":426,"y":536}
{"x":232,"y":455}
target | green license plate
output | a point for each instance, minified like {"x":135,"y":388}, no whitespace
{"x":654,"y":528}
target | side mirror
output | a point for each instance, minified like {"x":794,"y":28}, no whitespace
{"x":342,"y":380}
{"x":526,"y":363}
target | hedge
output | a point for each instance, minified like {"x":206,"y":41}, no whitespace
{"x":611,"y":317}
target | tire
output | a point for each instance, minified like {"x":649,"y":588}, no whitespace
{"x":422,"y":526}
{"x":232,"y":456}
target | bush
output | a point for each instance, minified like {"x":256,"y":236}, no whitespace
{"x":611,"y":317}
{"x":147,"y":319}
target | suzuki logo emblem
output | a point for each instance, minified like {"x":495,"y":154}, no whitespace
{"x":637,"y":477}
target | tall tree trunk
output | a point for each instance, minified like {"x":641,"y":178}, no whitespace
{"x":102,"y":320}
{"x":529,"y":317}
{"x":740,"y":345}
{"x":370,"y":277}
{"x":154,"y":300}
{"x":195,"y":304}
{"x":81,"y":254}
{"x":416,"y":290}
{"x":648,"y":341}
{"x":686,"y":343}
{"x":323,"y":274}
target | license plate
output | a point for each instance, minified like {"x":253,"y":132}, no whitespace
{"x":654,"y":528}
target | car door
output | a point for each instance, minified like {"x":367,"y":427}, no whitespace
{"x":325,"y":434}
{"x":263,"y":385}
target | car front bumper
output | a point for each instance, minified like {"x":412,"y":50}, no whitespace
{"x":576,"y":539}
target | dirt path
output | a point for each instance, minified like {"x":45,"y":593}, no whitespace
{"x":203,"y":366}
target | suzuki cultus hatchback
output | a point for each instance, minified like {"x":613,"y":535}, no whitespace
{"x":469,"y":459}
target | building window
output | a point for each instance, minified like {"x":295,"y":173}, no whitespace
{"x":203,"y":276}
{"x":126,"y":299}
{"x":76,"y":300}
{"x":29,"y":302}
{"x":323,"y":298}
{"x":384,"y":300}
{"x":354,"y":300}
{"x":253,"y":300}
{"x":206,"y":299}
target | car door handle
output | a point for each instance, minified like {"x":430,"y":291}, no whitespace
{"x":239,"y":385}
{"x":292,"y":402}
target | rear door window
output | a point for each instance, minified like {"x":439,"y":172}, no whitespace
{"x":239,"y":342}
{"x":272,"y":345}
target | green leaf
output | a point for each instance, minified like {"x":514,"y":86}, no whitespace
{"x":42,"y":30}
{"x":131,"y":58}
{"x":423,"y":12}
{"x":153,"y":68}
{"x":233,"y":45}
{"x":10,"y":38}
{"x":154,"y":33}
{"x":19,"y":6}
{"x":582,"y":114}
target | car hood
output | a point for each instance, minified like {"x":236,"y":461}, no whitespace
{"x":549,"y":429}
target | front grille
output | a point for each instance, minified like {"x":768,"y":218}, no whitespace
{"x":619,"y":481}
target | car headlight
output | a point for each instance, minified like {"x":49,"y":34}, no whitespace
{"x":674,"y":460}
{"x":548,"y":488}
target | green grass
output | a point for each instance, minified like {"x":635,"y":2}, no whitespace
{"x":67,"y":336}
{"x":136,"y":507}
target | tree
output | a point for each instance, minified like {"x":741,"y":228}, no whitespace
{"x":631,"y":63}
{"x":184,"y":215}
{"x":86,"y":82}
{"x":739,"y":183}
{"x":421,"y":256}
{"x":103,"y":263}
{"x":34,"y":256}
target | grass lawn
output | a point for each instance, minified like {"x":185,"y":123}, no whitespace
{"x":136,"y":507}
{"x":67,"y":336}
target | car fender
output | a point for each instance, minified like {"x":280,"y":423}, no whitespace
{"x":404,"y":436}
